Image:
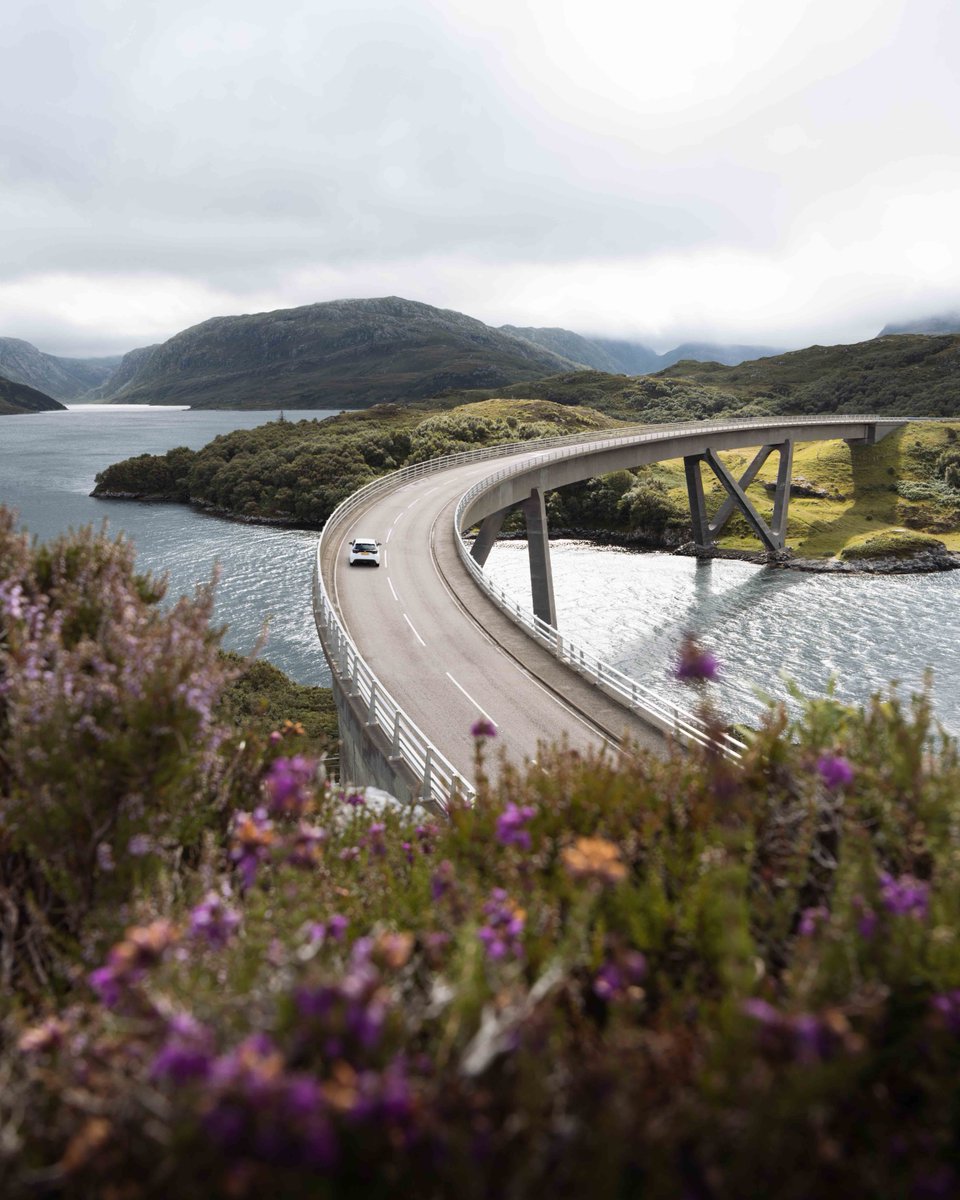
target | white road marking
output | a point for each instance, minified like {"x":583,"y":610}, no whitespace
{"x":393,"y":589}
{"x":471,"y":699}
{"x":415,"y":634}
{"x":389,"y":532}
{"x":413,"y":502}
{"x":508,"y":658}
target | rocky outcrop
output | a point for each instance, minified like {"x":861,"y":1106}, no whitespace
{"x":59,"y":378}
{"x":17,"y":398}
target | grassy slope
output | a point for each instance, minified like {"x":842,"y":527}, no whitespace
{"x":861,"y":483}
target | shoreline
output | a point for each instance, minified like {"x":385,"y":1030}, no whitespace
{"x":925,"y":562}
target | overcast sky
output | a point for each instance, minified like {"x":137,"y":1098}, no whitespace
{"x":764,"y":171}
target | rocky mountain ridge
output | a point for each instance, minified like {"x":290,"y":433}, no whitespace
{"x":625,"y":357}
{"x":60,"y":378}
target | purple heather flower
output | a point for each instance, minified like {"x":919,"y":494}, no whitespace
{"x":140,"y":845}
{"x":947,"y":1004}
{"x":867,"y":920}
{"x":835,"y":771}
{"x":337,"y":926}
{"x":289,"y":783}
{"x":187,"y":1053}
{"x":106,"y":982}
{"x":105,"y":857}
{"x":442,"y":880}
{"x":373,"y":841}
{"x":502,"y":934}
{"x":483,"y":727}
{"x":214,"y":920}
{"x":905,"y":896}
{"x":811,"y":919}
{"x":355,"y":799}
{"x":511,"y":825}
{"x":608,"y":981}
{"x":694,"y":664}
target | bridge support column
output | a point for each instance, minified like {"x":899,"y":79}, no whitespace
{"x":487,"y":535}
{"x":698,"y":506}
{"x":538,"y":549}
{"x":772,"y":536}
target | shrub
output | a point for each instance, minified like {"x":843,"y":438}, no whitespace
{"x":107,"y":734}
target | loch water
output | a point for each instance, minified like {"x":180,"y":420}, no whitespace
{"x":765,"y":625}
{"x":48,"y":462}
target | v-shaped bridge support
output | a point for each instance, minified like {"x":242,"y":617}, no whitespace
{"x":705,"y":530}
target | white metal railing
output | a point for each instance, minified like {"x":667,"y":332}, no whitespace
{"x":439,"y":780}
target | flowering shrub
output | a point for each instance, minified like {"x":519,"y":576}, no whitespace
{"x":608,"y":977}
{"x":109,"y":747}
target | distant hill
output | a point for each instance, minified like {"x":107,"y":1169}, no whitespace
{"x":705,"y":352}
{"x":903,"y":375}
{"x":18,"y":398}
{"x":625,"y":357}
{"x":345,"y":353}
{"x":600,"y":354}
{"x":61,"y":378}
{"x":945,"y":323}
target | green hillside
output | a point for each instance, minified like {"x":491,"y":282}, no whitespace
{"x":904,"y":375}
{"x":342,"y":354}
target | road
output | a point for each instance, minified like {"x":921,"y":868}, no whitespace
{"x":444,"y":650}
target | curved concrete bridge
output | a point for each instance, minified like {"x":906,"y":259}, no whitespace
{"x":418,"y":651}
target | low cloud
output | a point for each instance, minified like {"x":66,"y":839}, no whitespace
{"x":731,"y":169}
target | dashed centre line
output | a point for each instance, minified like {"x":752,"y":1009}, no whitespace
{"x":415,"y":634}
{"x":393,"y":589}
{"x":478,"y":707}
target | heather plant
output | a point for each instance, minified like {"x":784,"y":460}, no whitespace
{"x":632,"y":975}
{"x":110,"y":752}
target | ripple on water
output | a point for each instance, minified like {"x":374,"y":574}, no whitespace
{"x":863,"y":630}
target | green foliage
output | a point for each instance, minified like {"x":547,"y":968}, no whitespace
{"x":613,"y":975}
{"x":891,"y":543}
{"x":263,"y":699}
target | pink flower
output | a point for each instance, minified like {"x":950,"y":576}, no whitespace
{"x":835,"y":771}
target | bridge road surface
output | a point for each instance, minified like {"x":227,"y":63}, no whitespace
{"x":443,"y":650}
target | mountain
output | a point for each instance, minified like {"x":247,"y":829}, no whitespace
{"x":625,"y":357}
{"x":905,"y":375}
{"x":588,"y":352}
{"x":18,"y":398}
{"x":705,"y":352}
{"x":945,"y":323}
{"x":344,"y":353}
{"x":61,"y":378}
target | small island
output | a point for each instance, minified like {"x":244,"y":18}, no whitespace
{"x":894,"y":506}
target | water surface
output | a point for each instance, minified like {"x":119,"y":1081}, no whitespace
{"x":860,"y":630}
{"x":48,"y":462}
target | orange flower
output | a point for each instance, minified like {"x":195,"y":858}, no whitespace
{"x":594,"y":858}
{"x":394,"y":949}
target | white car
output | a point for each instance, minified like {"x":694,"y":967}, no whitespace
{"x":364,"y":550}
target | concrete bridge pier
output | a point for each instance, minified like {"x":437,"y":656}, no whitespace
{"x":772,"y":536}
{"x":538,"y":549}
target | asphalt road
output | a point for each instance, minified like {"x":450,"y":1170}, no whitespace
{"x":445,"y":652}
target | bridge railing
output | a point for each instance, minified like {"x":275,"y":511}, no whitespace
{"x":439,"y":780}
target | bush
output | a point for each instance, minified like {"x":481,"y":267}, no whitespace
{"x":613,"y":975}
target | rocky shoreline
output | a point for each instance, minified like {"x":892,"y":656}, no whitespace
{"x":922,"y":562}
